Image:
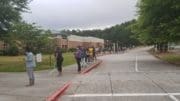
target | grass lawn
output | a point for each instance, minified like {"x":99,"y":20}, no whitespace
{"x":170,"y":57}
{"x":17,"y":63}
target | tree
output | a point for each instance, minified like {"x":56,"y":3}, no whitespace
{"x":158,"y":22}
{"x":10,"y":13}
{"x":22,"y":34}
{"x":120,"y":34}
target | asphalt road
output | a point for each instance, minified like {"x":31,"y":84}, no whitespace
{"x":133,"y":76}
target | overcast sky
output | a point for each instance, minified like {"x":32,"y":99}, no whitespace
{"x":80,"y":14}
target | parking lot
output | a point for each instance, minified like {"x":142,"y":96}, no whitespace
{"x":133,"y":76}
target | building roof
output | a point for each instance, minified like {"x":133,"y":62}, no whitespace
{"x":80,"y":38}
{"x":84,"y":39}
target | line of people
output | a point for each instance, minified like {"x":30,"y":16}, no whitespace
{"x":84,"y":56}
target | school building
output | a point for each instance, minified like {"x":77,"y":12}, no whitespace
{"x":72,"y":41}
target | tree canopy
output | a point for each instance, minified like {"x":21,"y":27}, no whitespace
{"x":121,"y":34}
{"x":10,"y":12}
{"x":18,"y":34}
{"x":158,"y":21}
{"x":23,"y":34}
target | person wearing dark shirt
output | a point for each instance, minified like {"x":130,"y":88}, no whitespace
{"x":59,"y":60}
{"x":78,"y":56}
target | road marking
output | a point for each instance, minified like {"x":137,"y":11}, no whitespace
{"x":174,"y":94}
{"x":160,"y":71}
{"x":171,"y":95}
{"x":142,"y":94}
{"x":136,"y":64}
{"x":90,"y":95}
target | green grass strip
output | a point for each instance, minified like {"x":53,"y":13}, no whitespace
{"x":17,"y":63}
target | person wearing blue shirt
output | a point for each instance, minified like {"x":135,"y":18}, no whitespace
{"x":30,"y":65}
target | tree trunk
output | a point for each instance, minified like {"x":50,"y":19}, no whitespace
{"x":165,"y":47}
{"x":162,"y":47}
{"x":158,"y":47}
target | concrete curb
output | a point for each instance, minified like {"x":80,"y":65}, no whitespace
{"x":59,"y":92}
{"x":91,"y":67}
{"x":62,"y":89}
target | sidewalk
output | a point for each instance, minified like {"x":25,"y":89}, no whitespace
{"x":12,"y":86}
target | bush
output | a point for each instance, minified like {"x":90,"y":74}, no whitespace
{"x":64,"y":50}
{"x":12,"y":51}
{"x":1,"y":52}
{"x":71,"y":49}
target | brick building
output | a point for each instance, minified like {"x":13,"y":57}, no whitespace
{"x":72,"y":41}
{"x":60,"y":42}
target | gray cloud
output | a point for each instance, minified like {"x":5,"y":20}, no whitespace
{"x":83,"y":14}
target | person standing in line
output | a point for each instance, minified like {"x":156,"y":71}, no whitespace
{"x":83,"y":57}
{"x":30,"y":65}
{"x":59,"y":60}
{"x":87,"y":56}
{"x":91,"y":54}
{"x":77,"y":56}
{"x":94,"y":54}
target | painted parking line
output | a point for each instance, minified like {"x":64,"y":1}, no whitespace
{"x":124,"y":94}
{"x":136,"y":64}
{"x":177,"y":71}
{"x":171,"y":95}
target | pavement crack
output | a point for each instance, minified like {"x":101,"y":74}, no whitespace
{"x":172,"y":97}
{"x":80,"y":83}
{"x":145,"y":74}
{"x":109,"y":75}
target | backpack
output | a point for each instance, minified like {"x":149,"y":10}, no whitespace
{"x":78,"y":54}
